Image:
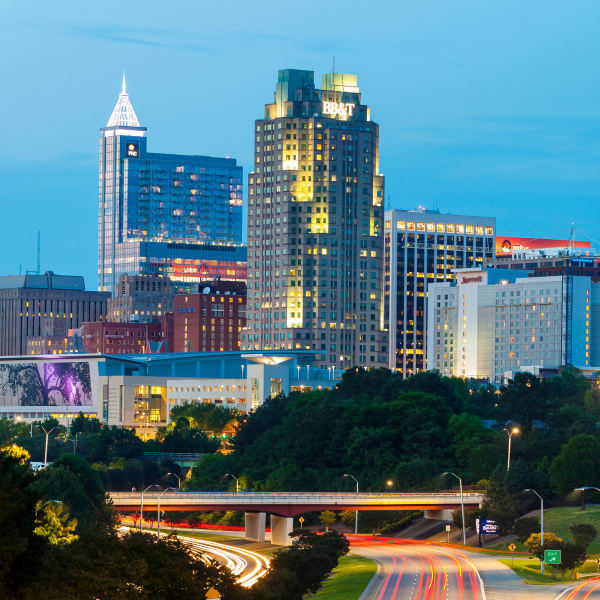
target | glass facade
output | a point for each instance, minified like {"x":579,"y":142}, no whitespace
{"x":422,"y":248}
{"x":163,"y":199}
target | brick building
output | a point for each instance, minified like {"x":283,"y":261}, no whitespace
{"x":119,"y":338}
{"x":210,"y":320}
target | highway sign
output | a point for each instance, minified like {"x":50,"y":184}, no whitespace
{"x":552,"y":557}
{"x":512,"y":547}
{"x":486,"y":526}
{"x":301,"y":520}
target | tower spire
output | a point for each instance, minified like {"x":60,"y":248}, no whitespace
{"x":123,"y":114}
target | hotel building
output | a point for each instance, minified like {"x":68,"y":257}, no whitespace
{"x":492,"y":321}
{"x":315,"y":224}
{"x":423,"y":247}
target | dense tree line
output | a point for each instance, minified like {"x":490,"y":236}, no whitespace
{"x":379,"y":427}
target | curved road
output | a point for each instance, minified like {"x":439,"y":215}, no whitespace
{"x":586,"y":590}
{"x":246,"y":565}
{"x":412,"y":570}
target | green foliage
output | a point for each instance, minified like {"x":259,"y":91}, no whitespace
{"x":52,"y":522}
{"x":525,"y":526}
{"x":301,"y":568}
{"x":583,"y":533}
{"x":347,"y":517}
{"x":534,"y":545}
{"x":205,"y":417}
{"x":577,"y":465}
{"x":327,"y":519}
{"x":72,"y":480}
{"x":82,"y":424}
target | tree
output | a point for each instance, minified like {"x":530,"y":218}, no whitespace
{"x":301,"y":568}
{"x":16,"y":452}
{"x":525,"y":526}
{"x":347,"y":517}
{"x":577,"y":465}
{"x":327,"y":518}
{"x":572,"y":556}
{"x":583,"y":533}
{"x":82,"y":424}
{"x":20,"y":548}
{"x":534,"y":546}
{"x":52,"y":522}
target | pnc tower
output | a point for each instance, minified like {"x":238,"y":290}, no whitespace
{"x":315,"y":224}
{"x":164,"y":214}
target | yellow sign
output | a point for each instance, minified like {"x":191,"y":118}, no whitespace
{"x":301,"y":520}
{"x":512,"y":547}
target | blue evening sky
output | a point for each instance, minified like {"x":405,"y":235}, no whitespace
{"x":485,"y":107}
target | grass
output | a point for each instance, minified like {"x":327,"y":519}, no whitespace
{"x":558,"y":520}
{"x":528,"y":569}
{"x":348,"y":580}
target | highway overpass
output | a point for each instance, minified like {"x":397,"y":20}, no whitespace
{"x":283,"y":506}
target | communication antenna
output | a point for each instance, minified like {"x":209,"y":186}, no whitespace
{"x":571,"y":239}
{"x":39,"y":243}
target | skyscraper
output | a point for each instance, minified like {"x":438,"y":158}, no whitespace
{"x":315,"y":224}
{"x":423,"y":247}
{"x":160,"y":213}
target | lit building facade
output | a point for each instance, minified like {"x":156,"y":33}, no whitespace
{"x":175,"y":202}
{"x":141,"y":298}
{"x":423,"y":247}
{"x":315,"y":224}
{"x":492,"y":321}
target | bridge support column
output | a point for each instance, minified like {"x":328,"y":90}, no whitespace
{"x":281,"y":527}
{"x":255,"y":526}
{"x":439,"y":515}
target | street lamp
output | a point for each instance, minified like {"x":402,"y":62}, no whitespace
{"x":142,"y":503}
{"x":462,"y":505}
{"x":46,"y":450}
{"x":389,"y":483}
{"x":178,"y":479}
{"x":158,"y":511}
{"x":542,"y":526}
{"x":356,"y":511}
{"x":510,"y":433}
{"x":582,"y":490}
{"x":237,"y":481}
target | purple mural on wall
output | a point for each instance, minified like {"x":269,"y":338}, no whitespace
{"x":46,"y":384}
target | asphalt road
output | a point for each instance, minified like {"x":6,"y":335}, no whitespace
{"x":417,"y":570}
{"x":411,"y":570}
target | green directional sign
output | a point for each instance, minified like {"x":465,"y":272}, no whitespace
{"x":552,"y":557}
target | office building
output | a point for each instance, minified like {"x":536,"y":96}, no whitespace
{"x":119,"y":338}
{"x":140,"y":390}
{"x":488,"y":322}
{"x":141,"y":299}
{"x":175,"y":202}
{"x":315,"y":224}
{"x":69,"y":342}
{"x":211,"y":320}
{"x":32,"y":306}
{"x":423,"y":247}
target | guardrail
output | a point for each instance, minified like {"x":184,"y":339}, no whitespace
{"x":174,"y":456}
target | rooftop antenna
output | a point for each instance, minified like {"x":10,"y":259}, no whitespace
{"x":39,"y":238}
{"x":571,"y":240}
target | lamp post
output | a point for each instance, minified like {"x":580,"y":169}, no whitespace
{"x":583,"y":490}
{"x":46,"y":450}
{"x":237,"y":482}
{"x":510,"y":433}
{"x":178,"y":479}
{"x":158,"y":511}
{"x":356,"y":511}
{"x":542,"y":526}
{"x":462,"y":505}
{"x":142,"y":503}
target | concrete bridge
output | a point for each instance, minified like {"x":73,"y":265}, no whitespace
{"x":283,"y":506}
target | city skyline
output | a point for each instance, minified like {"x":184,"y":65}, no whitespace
{"x":484,"y":113}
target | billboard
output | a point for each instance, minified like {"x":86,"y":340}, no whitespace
{"x":486,"y":526}
{"x":510,"y":244}
{"x":45,"y":384}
